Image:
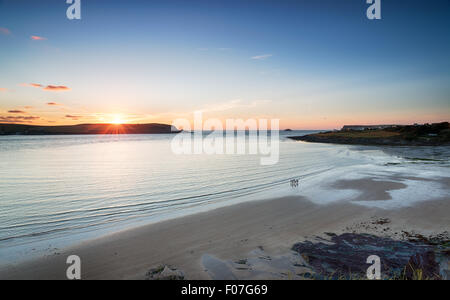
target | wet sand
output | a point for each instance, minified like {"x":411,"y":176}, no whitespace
{"x":195,"y":244}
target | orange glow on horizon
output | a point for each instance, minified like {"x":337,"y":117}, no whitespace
{"x":33,"y":116}
{"x":118,"y":120}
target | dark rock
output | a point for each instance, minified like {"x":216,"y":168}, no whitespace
{"x":241,"y":262}
{"x":381,"y":221}
{"x":345,"y":255}
{"x":164,"y":273}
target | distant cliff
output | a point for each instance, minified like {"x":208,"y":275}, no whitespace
{"x":16,"y":129}
{"x":415,"y":135}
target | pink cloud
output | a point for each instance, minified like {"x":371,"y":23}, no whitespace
{"x":4,"y":31}
{"x":73,"y":117}
{"x":3,"y":90}
{"x":38,"y":38}
{"x":36,"y":85}
{"x":56,"y":88}
{"x":48,"y":88}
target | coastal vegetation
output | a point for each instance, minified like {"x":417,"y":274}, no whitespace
{"x":414,"y":135}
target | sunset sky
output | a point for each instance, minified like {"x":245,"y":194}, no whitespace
{"x":312,"y":64}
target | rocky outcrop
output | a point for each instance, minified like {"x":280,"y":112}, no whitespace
{"x":164,"y":272}
{"x":420,"y":135}
{"x":344,"y":257}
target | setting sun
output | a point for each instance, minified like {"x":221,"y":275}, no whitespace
{"x":117,"y":120}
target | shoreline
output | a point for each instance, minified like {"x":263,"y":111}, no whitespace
{"x":196,"y":244}
{"x":364,"y":142}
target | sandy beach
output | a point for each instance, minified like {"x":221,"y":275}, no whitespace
{"x":210,"y":245}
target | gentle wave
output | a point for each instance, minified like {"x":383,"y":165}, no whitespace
{"x":65,"y":188}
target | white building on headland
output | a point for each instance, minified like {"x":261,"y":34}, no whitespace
{"x":366,"y":127}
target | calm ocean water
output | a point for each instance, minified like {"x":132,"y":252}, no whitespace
{"x":59,"y":190}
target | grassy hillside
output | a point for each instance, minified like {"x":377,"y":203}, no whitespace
{"x":428,"y":134}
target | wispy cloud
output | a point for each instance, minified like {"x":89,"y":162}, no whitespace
{"x":3,"y":90}
{"x":36,"y":85}
{"x":52,"y":103}
{"x":4,"y":31}
{"x":38,"y":38}
{"x":16,"y":112}
{"x":233,"y":104}
{"x":73,"y":117}
{"x":18,"y":119}
{"x":56,"y":88}
{"x":222,"y":106}
{"x":262,"y":57}
{"x":48,"y":88}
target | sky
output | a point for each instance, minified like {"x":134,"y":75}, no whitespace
{"x":312,"y":64}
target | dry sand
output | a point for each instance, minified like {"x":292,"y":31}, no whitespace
{"x":232,"y":233}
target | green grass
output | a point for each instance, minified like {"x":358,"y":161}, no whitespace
{"x":361,"y":134}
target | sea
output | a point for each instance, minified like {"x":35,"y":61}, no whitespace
{"x":58,"y":191}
